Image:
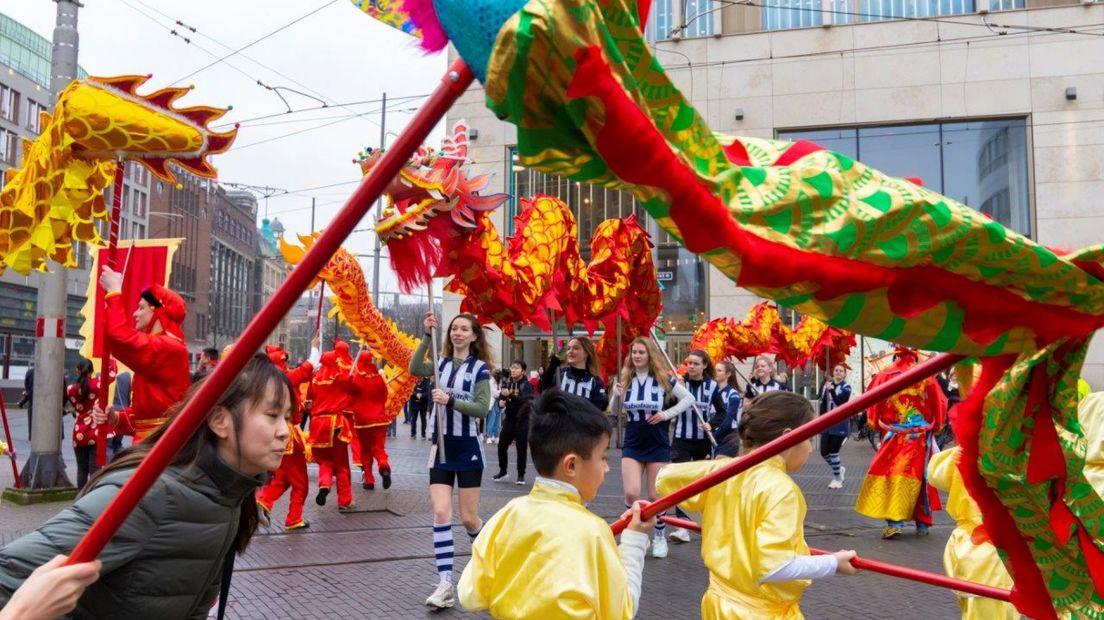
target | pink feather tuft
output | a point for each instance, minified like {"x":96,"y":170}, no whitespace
{"x":423,"y":15}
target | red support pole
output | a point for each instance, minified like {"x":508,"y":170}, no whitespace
{"x":11,"y":444}
{"x":455,"y":82}
{"x":893,"y":570}
{"x":105,"y":347}
{"x":889,"y":388}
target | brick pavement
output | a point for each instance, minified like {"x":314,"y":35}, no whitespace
{"x":377,"y":561}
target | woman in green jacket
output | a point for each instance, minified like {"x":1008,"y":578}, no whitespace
{"x":167,"y":559}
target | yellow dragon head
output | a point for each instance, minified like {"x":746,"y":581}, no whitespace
{"x":56,"y":195}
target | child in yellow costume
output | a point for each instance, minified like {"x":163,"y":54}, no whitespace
{"x":1091,"y":415}
{"x":753,"y":539}
{"x":969,"y":554}
{"x":545,"y":555}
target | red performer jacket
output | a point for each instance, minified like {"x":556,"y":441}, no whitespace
{"x":298,"y":376}
{"x":159,"y":363}
{"x":369,"y":395}
{"x":84,"y":431}
{"x":330,"y":396}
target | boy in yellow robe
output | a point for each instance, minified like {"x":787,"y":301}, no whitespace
{"x":545,"y":555}
{"x":753,"y":539}
{"x":969,"y":553}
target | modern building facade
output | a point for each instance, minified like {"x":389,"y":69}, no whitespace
{"x":234,"y":251}
{"x":271,"y":271}
{"x":996,"y":103}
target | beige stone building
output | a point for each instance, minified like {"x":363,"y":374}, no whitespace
{"x":991,"y":102}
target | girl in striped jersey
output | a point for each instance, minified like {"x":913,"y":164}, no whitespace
{"x":762,"y":379}
{"x":581,"y":375}
{"x":691,"y":442}
{"x":463,"y":393}
{"x":728,"y":440}
{"x":834,"y":393}
{"x":642,"y":391}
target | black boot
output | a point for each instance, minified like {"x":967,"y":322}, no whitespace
{"x":386,"y":475}
{"x":320,"y":499}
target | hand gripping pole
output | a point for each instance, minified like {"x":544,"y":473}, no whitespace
{"x":934,"y":579}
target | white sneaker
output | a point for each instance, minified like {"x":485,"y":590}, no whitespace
{"x":679,"y":534}
{"x":659,"y":547}
{"x":442,"y":597}
{"x":843,"y":470}
{"x":490,"y":440}
{"x":835,"y":484}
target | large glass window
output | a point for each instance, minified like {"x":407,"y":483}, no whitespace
{"x":982,"y":164}
{"x":686,"y":18}
{"x":681,"y":273}
{"x":786,"y":14}
{"x":877,"y":10}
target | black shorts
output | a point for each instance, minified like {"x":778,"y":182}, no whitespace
{"x":470,"y":479}
{"x":683,"y":450}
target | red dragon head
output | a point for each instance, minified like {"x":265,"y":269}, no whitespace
{"x":432,"y":183}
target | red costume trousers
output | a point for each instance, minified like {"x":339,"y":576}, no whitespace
{"x":334,"y":462}
{"x":291,"y":473}
{"x":373,"y":446}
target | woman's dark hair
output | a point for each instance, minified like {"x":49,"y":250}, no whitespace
{"x":730,"y":368}
{"x":84,"y":373}
{"x":562,"y":424}
{"x":478,"y":347}
{"x":707,"y":372}
{"x":768,"y":415}
{"x":249,"y":387}
{"x":592,"y":366}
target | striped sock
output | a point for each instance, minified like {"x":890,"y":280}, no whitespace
{"x":660,"y":528}
{"x":834,"y":463}
{"x":443,"y":550}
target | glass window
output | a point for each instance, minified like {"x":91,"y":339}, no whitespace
{"x":982,"y":164}
{"x":660,"y":20}
{"x":878,"y":10}
{"x":9,"y":141}
{"x":698,"y":16}
{"x":786,"y":14}
{"x":9,"y":104}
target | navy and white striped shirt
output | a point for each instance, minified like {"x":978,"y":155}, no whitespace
{"x":687,"y":425}
{"x":643,"y":398}
{"x":581,"y":383}
{"x":458,"y":381}
{"x":754,"y":388}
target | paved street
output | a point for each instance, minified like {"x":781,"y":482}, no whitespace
{"x":377,"y":561}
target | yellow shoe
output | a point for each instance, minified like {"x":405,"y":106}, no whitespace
{"x":890,"y":532}
{"x":296,"y":526}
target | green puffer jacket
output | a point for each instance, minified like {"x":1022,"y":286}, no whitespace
{"x":165,"y":562}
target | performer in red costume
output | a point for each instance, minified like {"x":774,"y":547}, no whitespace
{"x":370,"y":420}
{"x":331,"y":428}
{"x":292,"y":472}
{"x":896,"y":485}
{"x":152,"y":346}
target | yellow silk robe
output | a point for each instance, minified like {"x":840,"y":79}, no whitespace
{"x":963,"y":558}
{"x":546,"y":556}
{"x":1091,"y":414}
{"x":751,"y":525}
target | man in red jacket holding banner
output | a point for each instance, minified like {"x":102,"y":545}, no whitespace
{"x":150,"y":342}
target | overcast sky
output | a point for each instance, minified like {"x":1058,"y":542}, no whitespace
{"x":336,"y":54}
